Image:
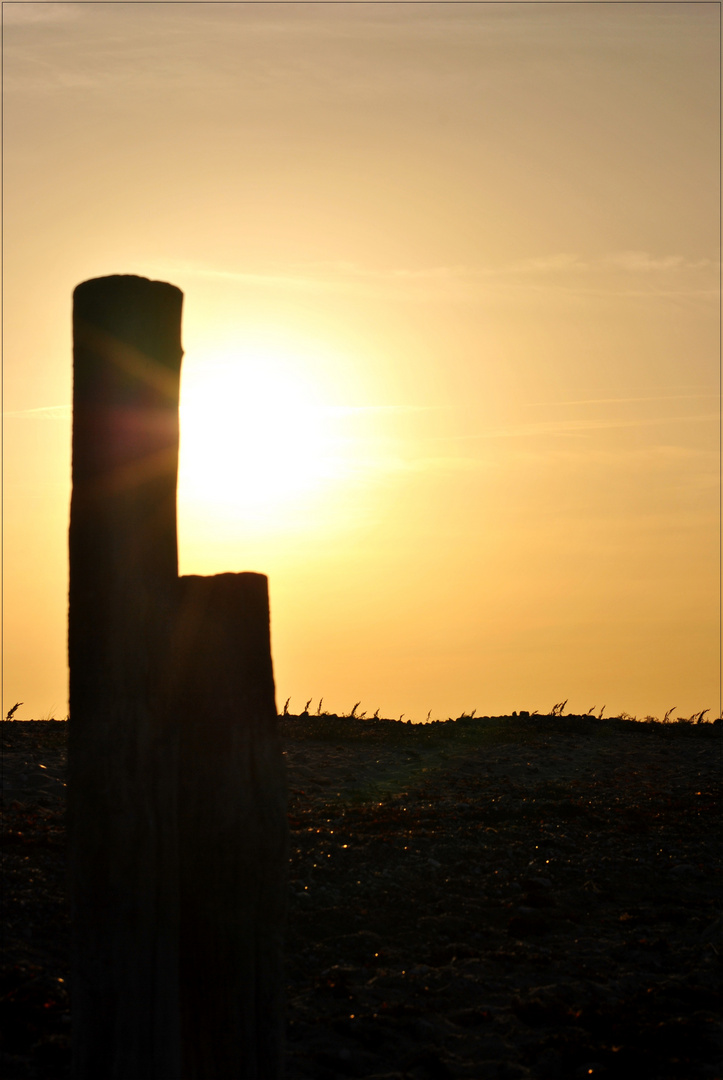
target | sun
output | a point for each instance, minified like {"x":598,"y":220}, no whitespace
{"x":256,"y":434}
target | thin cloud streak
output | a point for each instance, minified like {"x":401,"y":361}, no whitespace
{"x":23,"y":14}
{"x":43,"y":412}
{"x":574,"y":427}
{"x":460,"y":282}
{"x":624,"y":400}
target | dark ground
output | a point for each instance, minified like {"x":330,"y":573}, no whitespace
{"x":492,"y":898}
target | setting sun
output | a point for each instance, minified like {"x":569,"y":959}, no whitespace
{"x":255,"y":435}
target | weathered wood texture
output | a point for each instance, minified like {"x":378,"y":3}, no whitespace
{"x":122,"y":756}
{"x":233,"y":831}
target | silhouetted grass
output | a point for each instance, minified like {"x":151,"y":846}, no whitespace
{"x":473,"y":729}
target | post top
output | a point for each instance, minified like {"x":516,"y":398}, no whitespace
{"x":117,"y":283}
{"x":142,"y":313}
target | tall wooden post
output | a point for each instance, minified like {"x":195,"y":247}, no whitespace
{"x":122,"y":760}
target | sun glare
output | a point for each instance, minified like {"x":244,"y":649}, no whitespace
{"x":255,"y":435}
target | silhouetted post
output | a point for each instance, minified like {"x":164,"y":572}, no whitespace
{"x":233,"y":831}
{"x":176,"y":792}
{"x":122,"y":782}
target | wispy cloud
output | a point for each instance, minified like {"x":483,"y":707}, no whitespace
{"x":643,"y":262}
{"x":541,"y":264}
{"x":573,"y":427}
{"x":43,"y":412}
{"x":610,"y":274}
{"x":23,"y":14}
{"x":622,"y":400}
{"x":634,"y":262}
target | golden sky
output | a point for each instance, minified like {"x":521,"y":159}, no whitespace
{"x":451,"y":331}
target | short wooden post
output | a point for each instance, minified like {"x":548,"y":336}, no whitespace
{"x":233,"y":831}
{"x":122,"y":760}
